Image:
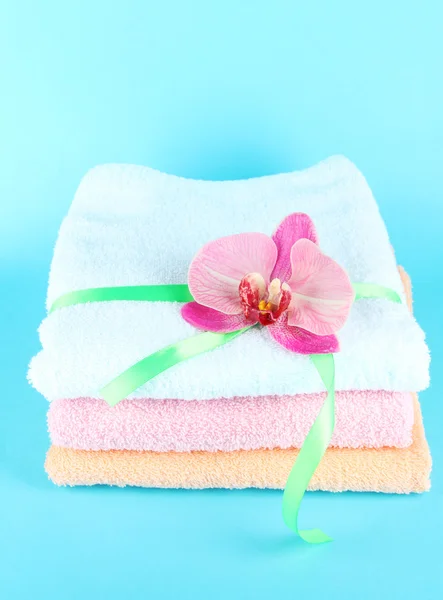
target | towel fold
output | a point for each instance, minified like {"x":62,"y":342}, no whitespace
{"x":134,"y":226}
{"x":392,"y":470}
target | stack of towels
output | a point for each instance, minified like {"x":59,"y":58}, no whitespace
{"x":234,"y":417}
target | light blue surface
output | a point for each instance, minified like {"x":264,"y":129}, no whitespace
{"x":213,"y":90}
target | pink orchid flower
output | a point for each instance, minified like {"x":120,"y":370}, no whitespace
{"x":285,"y":283}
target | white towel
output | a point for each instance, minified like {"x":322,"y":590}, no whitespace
{"x":132,"y":225}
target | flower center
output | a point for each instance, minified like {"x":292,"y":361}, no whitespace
{"x":261,"y":303}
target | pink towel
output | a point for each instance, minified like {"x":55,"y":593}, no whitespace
{"x":363,"y":419}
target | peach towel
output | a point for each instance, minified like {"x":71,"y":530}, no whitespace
{"x":391,"y":470}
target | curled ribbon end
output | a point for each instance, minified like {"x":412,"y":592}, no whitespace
{"x":315,"y":536}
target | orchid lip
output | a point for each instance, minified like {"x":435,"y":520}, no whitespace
{"x":261,"y":302}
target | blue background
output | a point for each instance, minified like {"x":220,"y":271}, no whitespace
{"x":213,"y":90}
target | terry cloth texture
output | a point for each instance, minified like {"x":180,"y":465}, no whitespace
{"x":363,"y":419}
{"x":391,"y":470}
{"x":134,"y":226}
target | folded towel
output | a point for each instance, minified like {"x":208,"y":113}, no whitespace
{"x":363,"y":419}
{"x":132,"y":225}
{"x":393,"y":470}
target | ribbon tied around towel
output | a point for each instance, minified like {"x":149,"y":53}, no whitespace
{"x":123,"y":385}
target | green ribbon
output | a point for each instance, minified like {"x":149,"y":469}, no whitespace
{"x":308,"y":459}
{"x":156,"y":363}
{"x":319,"y":436}
{"x":372,"y":290}
{"x":136,"y":293}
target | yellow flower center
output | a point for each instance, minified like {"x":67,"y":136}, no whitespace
{"x":263,"y":305}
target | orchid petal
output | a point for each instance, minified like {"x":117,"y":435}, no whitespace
{"x":208,"y":319}
{"x":217,"y":269}
{"x":301,"y":341}
{"x":322,"y":294}
{"x":293,"y":228}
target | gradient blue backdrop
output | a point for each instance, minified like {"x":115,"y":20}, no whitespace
{"x":212,"y":90}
